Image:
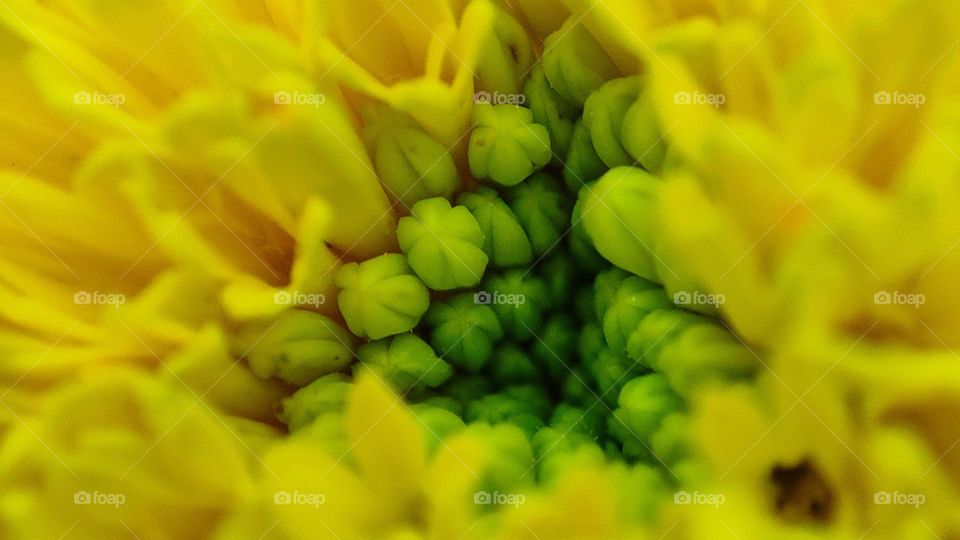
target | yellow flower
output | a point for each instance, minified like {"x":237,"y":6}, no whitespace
{"x":124,"y":453}
{"x":852,"y":446}
{"x":386,"y":485}
{"x":181,"y":181}
{"x":597,"y":501}
{"x":170,"y":171}
{"x":428,"y":74}
{"x":175,"y":178}
{"x":837,"y":133}
{"x":812,"y":182}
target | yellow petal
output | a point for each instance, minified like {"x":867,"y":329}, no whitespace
{"x":387,"y":443}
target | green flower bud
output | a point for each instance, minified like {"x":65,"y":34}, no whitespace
{"x":514,"y":457}
{"x":614,"y":451}
{"x":300,"y":347}
{"x":575,"y":63}
{"x":644,"y":403}
{"x":523,"y":406}
{"x":467,"y":389}
{"x":410,"y":163}
{"x":621,"y":217}
{"x":444,"y":402}
{"x":464,"y":331}
{"x":552,"y":440}
{"x":504,"y":240}
{"x":582,"y":164}
{"x":557,"y":272}
{"x":610,"y":372}
{"x":530,"y":295}
{"x":581,"y":246}
{"x":559,"y":450}
{"x":668,"y":324}
{"x":642,"y":491}
{"x":672,"y":158}
{"x":690,"y":350}
{"x":555,"y":347}
{"x":405,"y":362}
{"x":634,"y":299}
{"x":527,"y":423}
{"x":571,"y":439}
{"x":605,"y":287}
{"x":535,"y":398}
{"x":511,"y":365}
{"x":507,"y":55}
{"x":443,"y":244}
{"x":671,"y":442}
{"x":438,"y":422}
{"x":641,"y":136}
{"x":576,"y":387}
{"x":506,"y":145}
{"x":579,"y":420}
{"x":543,"y":210}
{"x":551,"y":110}
{"x":380,"y":297}
{"x":328,"y":431}
{"x":583,"y":304}
{"x":603,"y":115}
{"x":590,"y":342}
{"x":326,"y":395}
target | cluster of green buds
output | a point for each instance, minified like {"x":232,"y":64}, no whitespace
{"x":528,"y":306}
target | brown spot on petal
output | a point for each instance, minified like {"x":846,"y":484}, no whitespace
{"x":801,"y":494}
